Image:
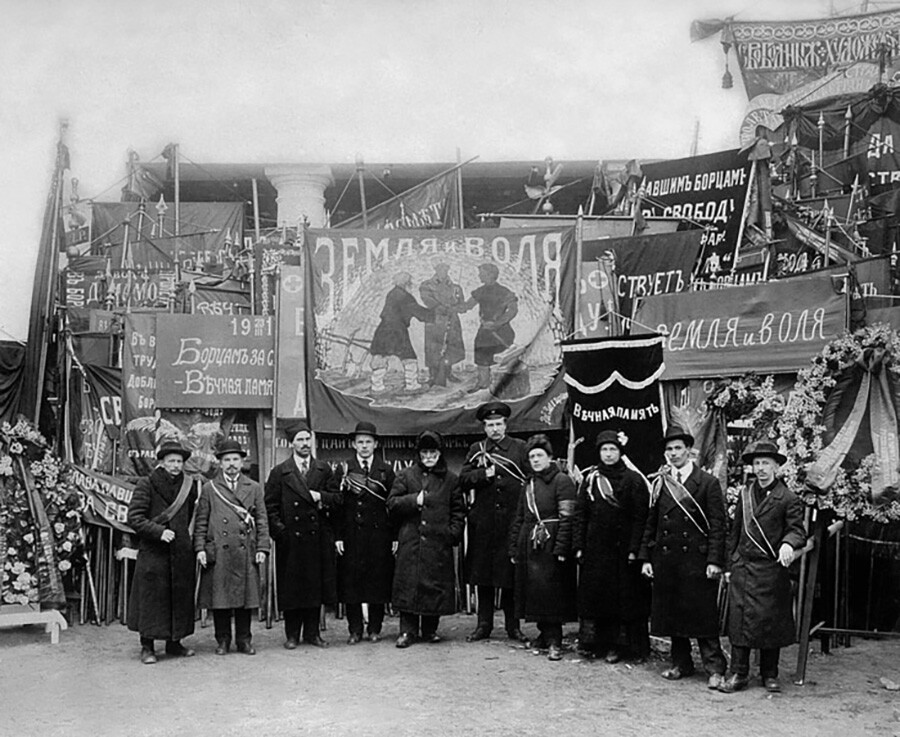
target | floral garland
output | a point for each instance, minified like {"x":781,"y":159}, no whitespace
{"x":802,"y":430}
{"x":753,"y":401}
{"x":19,"y":553}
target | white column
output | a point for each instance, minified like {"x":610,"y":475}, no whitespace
{"x":301,"y":192}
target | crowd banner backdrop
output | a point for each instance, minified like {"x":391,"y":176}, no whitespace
{"x":613,"y":384}
{"x":871,"y":277}
{"x":415,"y":329}
{"x":709,"y":190}
{"x":644,"y":265}
{"x":290,"y":402}
{"x":208,"y":234}
{"x":432,"y":204}
{"x":221,"y":297}
{"x":275,"y":248}
{"x":105,"y":499}
{"x":215,"y":361}
{"x":138,"y":443}
{"x":763,"y":328}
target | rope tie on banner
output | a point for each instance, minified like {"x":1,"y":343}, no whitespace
{"x":614,"y":314}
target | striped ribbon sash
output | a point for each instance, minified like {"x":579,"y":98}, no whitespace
{"x":752,"y":528}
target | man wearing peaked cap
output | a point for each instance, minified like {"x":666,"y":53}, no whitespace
{"x":767,"y":529}
{"x":683,"y":553}
{"x":231,"y":540}
{"x":161,"y":606}
{"x":300,"y":493}
{"x":492,"y":478}
{"x":365,"y":537}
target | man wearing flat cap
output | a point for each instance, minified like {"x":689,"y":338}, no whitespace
{"x":492,"y":477}
{"x":300,"y":493}
{"x":366,"y":538}
{"x":231,"y":540}
{"x":162,"y":595}
{"x":767,"y":529}
{"x":683,"y":553}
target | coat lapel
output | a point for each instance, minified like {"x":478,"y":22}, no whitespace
{"x":295,"y":482}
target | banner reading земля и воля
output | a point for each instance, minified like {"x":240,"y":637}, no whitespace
{"x":410,"y":327}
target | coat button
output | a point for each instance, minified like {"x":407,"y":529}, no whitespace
{"x":665,"y":548}
{"x":424,"y":522}
{"x":224,"y":521}
{"x":685,"y":533}
{"x":225,"y":533}
{"x":296,"y":519}
{"x":296,"y":504}
{"x":665,"y":517}
{"x":665,"y":532}
{"x":685,"y":548}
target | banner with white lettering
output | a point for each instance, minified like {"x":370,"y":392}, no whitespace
{"x":644,"y":265}
{"x":415,"y":329}
{"x":710,"y":191}
{"x":432,"y":204}
{"x":275,"y":248}
{"x":215,"y":361}
{"x":105,"y":499}
{"x":613,"y":384}
{"x":290,"y":402}
{"x":763,"y":328}
{"x":105,"y":391}
{"x":138,"y":442}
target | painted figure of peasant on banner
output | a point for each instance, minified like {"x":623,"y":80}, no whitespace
{"x":413,"y":326}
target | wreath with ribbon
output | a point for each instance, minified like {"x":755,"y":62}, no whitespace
{"x":847,"y":400}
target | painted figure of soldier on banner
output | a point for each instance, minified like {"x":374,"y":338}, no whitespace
{"x":414,"y":327}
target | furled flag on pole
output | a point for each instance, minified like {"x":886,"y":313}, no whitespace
{"x":613,"y":384}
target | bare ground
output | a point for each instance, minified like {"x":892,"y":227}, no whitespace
{"x":92,"y":684}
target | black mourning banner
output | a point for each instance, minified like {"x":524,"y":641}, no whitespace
{"x":613,"y":384}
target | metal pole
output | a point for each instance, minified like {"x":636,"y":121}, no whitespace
{"x":459,"y":189}
{"x":360,"y":170}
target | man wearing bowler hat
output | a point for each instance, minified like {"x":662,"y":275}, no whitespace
{"x":492,"y":478}
{"x":162,"y":595}
{"x":366,"y":538}
{"x":300,"y":492}
{"x":767,"y":529}
{"x":683,"y":552}
{"x":231,"y":539}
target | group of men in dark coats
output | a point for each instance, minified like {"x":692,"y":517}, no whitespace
{"x":362,"y":535}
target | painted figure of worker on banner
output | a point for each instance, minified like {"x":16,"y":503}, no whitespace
{"x":418,"y":325}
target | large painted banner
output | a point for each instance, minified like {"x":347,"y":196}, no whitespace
{"x":215,"y":361}
{"x":764,"y":328}
{"x":708,"y":190}
{"x":415,"y":329}
{"x":644,"y":265}
{"x":613,"y":384}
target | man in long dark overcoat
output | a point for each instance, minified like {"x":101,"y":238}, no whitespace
{"x":231,"y":539}
{"x":492,"y":478}
{"x":365,"y":536}
{"x":683,"y":552}
{"x":391,"y":336}
{"x":300,"y":491}
{"x":767,"y":529}
{"x":427,"y":505}
{"x":162,"y":595}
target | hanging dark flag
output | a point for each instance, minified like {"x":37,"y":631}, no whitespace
{"x":613,"y":384}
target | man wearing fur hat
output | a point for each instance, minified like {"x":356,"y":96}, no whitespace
{"x":493,"y":476}
{"x":683,"y":553}
{"x":366,"y":538}
{"x":162,"y":596}
{"x":300,"y":492}
{"x":767,"y":529}
{"x":231,"y":538}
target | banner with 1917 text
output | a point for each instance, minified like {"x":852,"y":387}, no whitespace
{"x":215,"y":361}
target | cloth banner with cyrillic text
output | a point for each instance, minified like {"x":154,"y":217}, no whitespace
{"x":763,"y":328}
{"x":644,"y":265}
{"x":708,"y":190}
{"x":215,"y":361}
{"x":431,"y":204}
{"x":613,"y":384}
{"x":414,"y":330}
{"x":105,"y":499}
